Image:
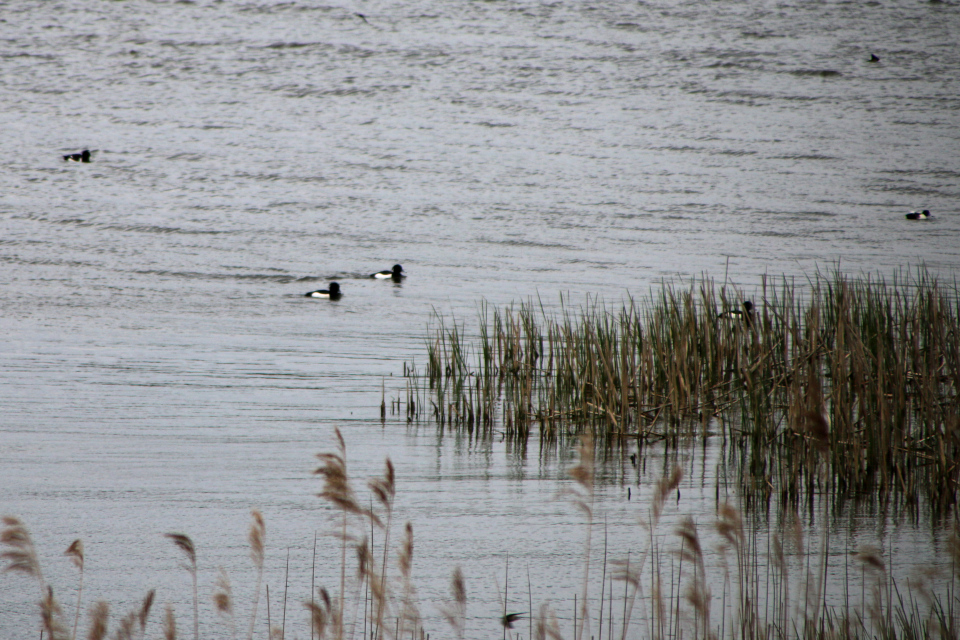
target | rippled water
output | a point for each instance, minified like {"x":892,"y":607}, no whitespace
{"x":161,"y":367}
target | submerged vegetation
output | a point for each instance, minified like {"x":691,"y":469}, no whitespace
{"x":774,"y":588}
{"x":863,"y":371}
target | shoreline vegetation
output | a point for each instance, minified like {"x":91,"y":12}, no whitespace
{"x":841,"y":391}
{"x":773,"y":588}
{"x":856,"y":372}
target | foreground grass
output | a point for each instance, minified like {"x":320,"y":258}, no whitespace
{"x":861,"y":370}
{"x":773,"y":589}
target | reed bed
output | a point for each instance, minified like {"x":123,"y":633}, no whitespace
{"x":672,"y":588}
{"x":864,"y":369}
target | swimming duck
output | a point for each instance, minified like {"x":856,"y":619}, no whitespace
{"x":396,"y":273}
{"x":736,"y":314}
{"x":333,"y":293}
{"x":83,"y":156}
{"x":919,"y":215}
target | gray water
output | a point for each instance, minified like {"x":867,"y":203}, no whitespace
{"x":162,"y":370}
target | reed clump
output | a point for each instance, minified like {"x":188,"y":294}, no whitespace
{"x":855,"y":372}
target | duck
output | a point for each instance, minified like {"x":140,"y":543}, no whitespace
{"x":874,"y":57}
{"x":919,"y":215}
{"x":332,"y":293}
{"x":746,"y":314}
{"x":83,"y":156}
{"x":396,"y":273}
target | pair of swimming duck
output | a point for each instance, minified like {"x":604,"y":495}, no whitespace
{"x":333,"y":291}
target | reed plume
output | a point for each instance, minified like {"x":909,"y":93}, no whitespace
{"x":582,"y":497}
{"x":144,"y":614}
{"x":223,"y":600}
{"x":169,"y":624}
{"x":455,"y":611}
{"x":99,"y":615}
{"x":384,"y":490}
{"x":75,"y":552}
{"x":257,"y":537}
{"x":52,"y":617}
{"x":547,"y":626}
{"x":21,"y":556}
{"x":409,"y":613}
{"x":185,"y":544}
{"x":698,"y":594}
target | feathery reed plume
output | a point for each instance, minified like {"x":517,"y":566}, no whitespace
{"x":547,"y":625}
{"x":630,"y":575}
{"x":126,"y":627}
{"x":408,"y":608}
{"x":52,"y":617}
{"x":730,"y":525}
{"x":185,"y":544}
{"x":169,"y":624}
{"x":21,"y":555}
{"x":144,"y":614}
{"x":338,"y":491}
{"x":75,"y":552}
{"x":698,"y":595}
{"x":223,"y":600}
{"x":665,"y":486}
{"x":384,"y":490}
{"x":455,"y":612}
{"x":336,"y":483}
{"x":582,"y":497}
{"x":872,"y":561}
{"x":99,"y":614}
{"x":257,"y":538}
{"x":319,"y":613}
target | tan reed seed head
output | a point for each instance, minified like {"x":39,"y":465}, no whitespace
{"x":455,"y":612}
{"x":665,"y":486}
{"x":257,"y":537}
{"x":145,"y":609}
{"x":547,"y":625}
{"x":99,"y":614}
{"x":779,"y":558}
{"x":458,"y":587}
{"x":169,"y":624}
{"x":75,"y":551}
{"x":624,"y":571}
{"x":729,"y":525}
{"x":318,"y":618}
{"x":125,"y":629}
{"x":405,"y":557}
{"x":20,"y":556}
{"x":223,"y":594}
{"x":364,"y":559}
{"x":52,"y":617}
{"x":687,"y":531}
{"x":385,"y":488}
{"x":185,"y":544}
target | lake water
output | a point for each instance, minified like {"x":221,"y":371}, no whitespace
{"x":162,"y":370}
